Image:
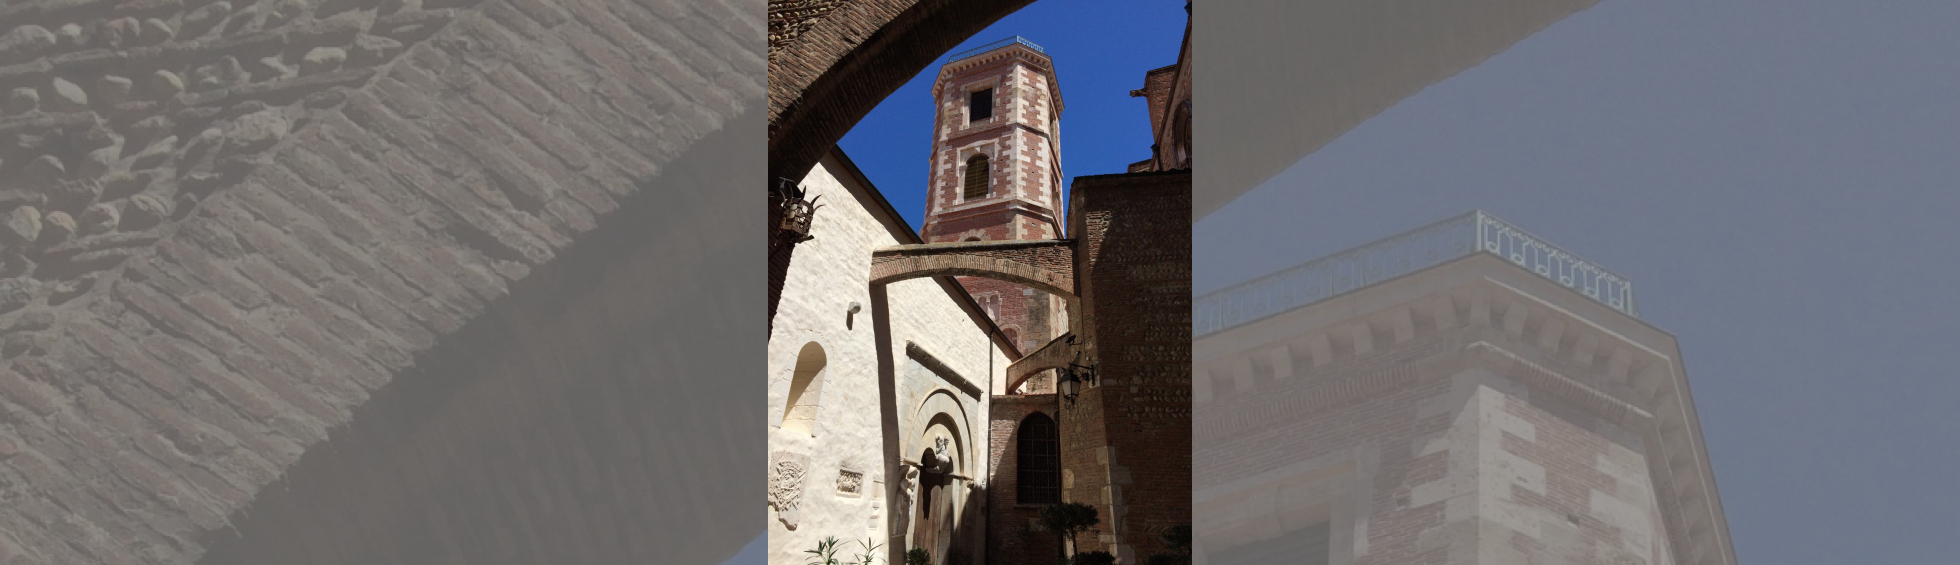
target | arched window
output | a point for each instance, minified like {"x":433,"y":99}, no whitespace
{"x":805,"y":390}
{"x":976,"y":177}
{"x":1038,"y":458}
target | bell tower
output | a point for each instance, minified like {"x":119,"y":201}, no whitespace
{"x":996,"y":160}
{"x":996,"y":172}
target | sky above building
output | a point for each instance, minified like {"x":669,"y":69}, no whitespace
{"x":1781,"y":182}
{"x":1101,"y":49}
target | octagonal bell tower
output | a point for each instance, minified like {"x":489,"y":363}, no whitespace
{"x":996,"y":172}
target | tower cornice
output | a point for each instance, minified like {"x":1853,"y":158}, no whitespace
{"x":1015,"y":51}
{"x":1478,"y":311}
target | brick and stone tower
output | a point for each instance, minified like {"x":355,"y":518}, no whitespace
{"x":1464,"y":393}
{"x":996,"y":173}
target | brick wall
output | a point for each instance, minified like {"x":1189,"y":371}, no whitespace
{"x":234,"y":224}
{"x":1127,"y":443}
{"x":1039,"y":262}
{"x":1009,"y":538}
{"x":1434,"y":449}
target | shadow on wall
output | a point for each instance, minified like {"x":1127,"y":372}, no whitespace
{"x":587,"y":417}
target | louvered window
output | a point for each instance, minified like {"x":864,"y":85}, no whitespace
{"x":976,"y":177}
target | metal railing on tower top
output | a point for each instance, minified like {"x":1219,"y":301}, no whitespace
{"x":995,"y":45}
{"x":1408,"y":252}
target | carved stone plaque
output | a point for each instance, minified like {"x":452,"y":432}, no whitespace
{"x":850,"y":483}
{"x":786,"y":472}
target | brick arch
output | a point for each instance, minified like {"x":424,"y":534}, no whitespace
{"x":832,"y":61}
{"x":1046,"y":265}
{"x":355,"y":191}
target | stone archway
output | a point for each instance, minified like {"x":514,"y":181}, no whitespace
{"x":943,"y":474}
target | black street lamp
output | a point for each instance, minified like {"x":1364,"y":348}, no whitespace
{"x":1072,"y":378}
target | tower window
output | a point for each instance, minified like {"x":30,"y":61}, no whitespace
{"x":980,"y":106}
{"x":976,"y":177}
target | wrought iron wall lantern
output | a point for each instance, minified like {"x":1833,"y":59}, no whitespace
{"x":797,"y":212}
{"x":1073,"y":377}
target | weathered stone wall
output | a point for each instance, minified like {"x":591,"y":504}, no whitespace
{"x":1127,"y":442}
{"x":230,"y":224}
{"x":790,"y":18}
{"x":860,"y":418}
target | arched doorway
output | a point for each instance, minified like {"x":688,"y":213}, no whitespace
{"x":933,"y":529}
{"x":944,"y":476}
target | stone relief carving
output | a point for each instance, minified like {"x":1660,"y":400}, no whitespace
{"x":786,"y":471}
{"x":908,"y":492}
{"x":850,"y":483}
{"x":942,"y":455}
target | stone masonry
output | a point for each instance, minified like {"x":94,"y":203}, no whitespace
{"x":1472,"y":412}
{"x":1012,"y":537}
{"x":1023,"y":175}
{"x":228,"y":225}
{"x":1126,"y":443}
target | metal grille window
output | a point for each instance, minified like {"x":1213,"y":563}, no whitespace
{"x":976,"y":177}
{"x":980,"y":106}
{"x":1039,"y":460}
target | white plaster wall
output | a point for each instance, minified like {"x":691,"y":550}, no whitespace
{"x":825,"y":276}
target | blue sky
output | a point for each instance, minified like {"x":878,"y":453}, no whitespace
{"x":1101,"y":49}
{"x":1781,"y":181}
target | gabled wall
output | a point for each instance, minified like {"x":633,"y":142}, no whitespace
{"x":916,"y":350}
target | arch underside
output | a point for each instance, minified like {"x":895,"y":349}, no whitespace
{"x":1045,"y":265}
{"x":1055,"y":354}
